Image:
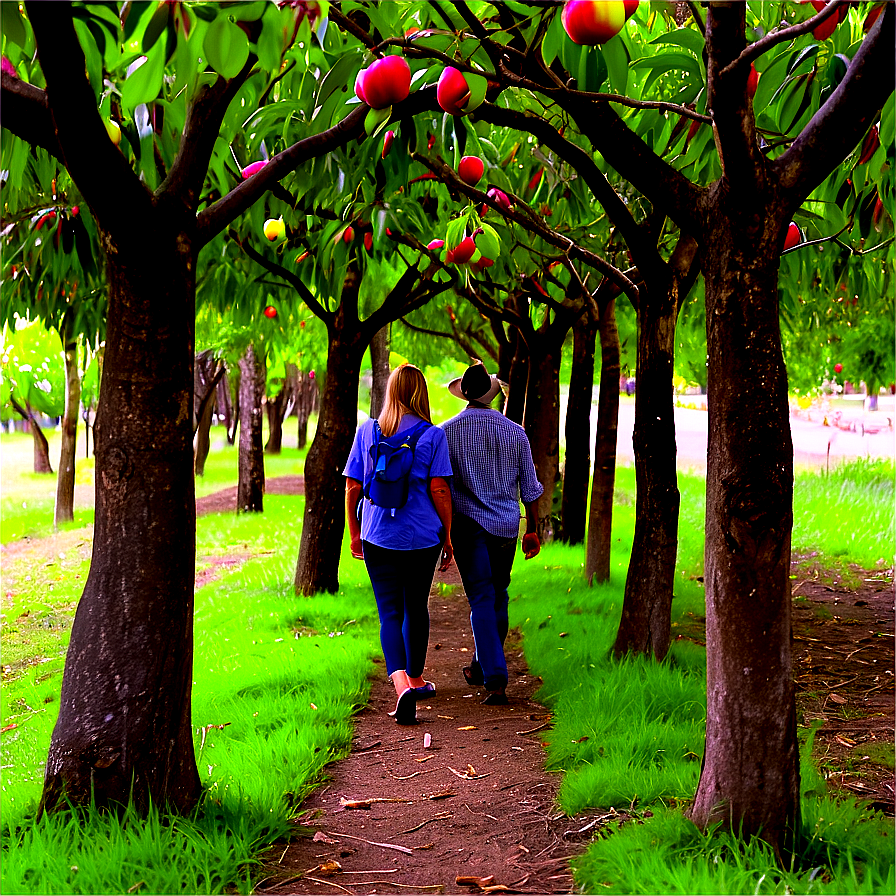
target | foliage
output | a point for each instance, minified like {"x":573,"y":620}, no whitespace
{"x":32,"y":371}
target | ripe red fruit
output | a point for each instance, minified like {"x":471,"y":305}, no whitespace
{"x":270,"y":311}
{"x":254,"y":168}
{"x":501,"y":199}
{"x":838,"y":368}
{"x":301,"y":325}
{"x":470,"y":170}
{"x":794,"y":236}
{"x":387,"y":143}
{"x":384,"y":83}
{"x":452,"y":91}
{"x":368,"y":241}
{"x":483,"y":263}
{"x":752,"y":82}
{"x":435,"y":244}
{"x":592,"y":22}
{"x":631,"y":7}
{"x":349,"y":234}
{"x":464,"y":252}
{"x":869,"y":145}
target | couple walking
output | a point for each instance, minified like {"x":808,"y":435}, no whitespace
{"x":465,"y":484}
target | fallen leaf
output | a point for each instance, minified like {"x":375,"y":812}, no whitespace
{"x":427,"y":846}
{"x":450,"y":718}
{"x":8,"y":727}
{"x":321,"y":837}
{"x":366,"y":804}
{"x":423,"y":758}
{"x":581,"y":740}
{"x":327,"y":868}
{"x":563,"y":634}
{"x":845,"y":741}
{"x":464,"y":650}
{"x":469,"y":880}
{"x":836,"y":698}
{"x":444,"y":794}
{"x":468,"y":728}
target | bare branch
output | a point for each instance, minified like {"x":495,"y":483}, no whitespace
{"x":26,"y":113}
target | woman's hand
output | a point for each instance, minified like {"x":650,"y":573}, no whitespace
{"x":531,"y":544}
{"x":447,"y":555}
{"x":357,"y":549}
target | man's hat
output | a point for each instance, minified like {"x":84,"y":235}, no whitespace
{"x":476,"y":385}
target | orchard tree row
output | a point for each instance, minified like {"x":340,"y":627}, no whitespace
{"x":497,"y":172}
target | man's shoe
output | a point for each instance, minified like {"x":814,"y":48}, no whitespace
{"x":473,"y":676}
{"x":496,"y":698}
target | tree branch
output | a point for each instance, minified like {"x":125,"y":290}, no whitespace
{"x":292,"y":279}
{"x":777,"y":36}
{"x":95,"y":163}
{"x":25,"y":112}
{"x":425,"y":331}
{"x":837,"y":126}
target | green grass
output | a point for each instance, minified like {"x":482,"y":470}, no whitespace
{"x":630,"y":735}
{"x":282,"y":675}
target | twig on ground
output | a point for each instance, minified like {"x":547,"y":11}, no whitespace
{"x":440,"y":817}
{"x":403,"y":849}
{"x":533,"y":730}
{"x":329,"y":883}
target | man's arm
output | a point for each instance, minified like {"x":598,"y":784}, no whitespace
{"x":353,"y":494}
{"x":441,"y":498}
{"x":531,"y":541}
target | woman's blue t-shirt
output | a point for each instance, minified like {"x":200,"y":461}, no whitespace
{"x":416,"y":525}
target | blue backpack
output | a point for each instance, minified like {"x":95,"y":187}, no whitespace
{"x":387,"y":473}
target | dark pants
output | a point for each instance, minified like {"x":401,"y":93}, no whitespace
{"x":401,"y":582}
{"x":484,"y":562}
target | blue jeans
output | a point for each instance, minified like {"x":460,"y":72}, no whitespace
{"x":401,"y":582}
{"x":484,"y":562}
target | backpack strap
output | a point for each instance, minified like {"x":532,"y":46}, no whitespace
{"x":368,"y":474}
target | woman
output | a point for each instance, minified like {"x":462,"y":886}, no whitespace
{"x":402,"y":546}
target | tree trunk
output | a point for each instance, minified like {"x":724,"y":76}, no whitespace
{"x":250,"y":489}
{"x":645,"y":625}
{"x":379,"y":361}
{"x":41,"y":447}
{"x":750,"y":776}
{"x":207,"y":374}
{"x":277,"y":409}
{"x":543,"y":427}
{"x":124,"y":732}
{"x":600,"y":513}
{"x":224,"y":403}
{"x":577,"y":461}
{"x":317,"y":568}
{"x":517,"y":380}
{"x":306,"y":398}
{"x":65,"y":480}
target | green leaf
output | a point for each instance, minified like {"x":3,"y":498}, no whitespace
{"x":689,"y":38}
{"x":92,"y":57}
{"x":12,"y":25}
{"x":553,"y":38}
{"x":616,"y":57}
{"x":488,"y":242}
{"x":270,"y":41}
{"x":226,"y":47}
{"x":144,"y":84}
{"x":156,"y":26}
{"x":455,"y":232}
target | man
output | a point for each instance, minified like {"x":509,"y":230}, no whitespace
{"x":493,"y":469}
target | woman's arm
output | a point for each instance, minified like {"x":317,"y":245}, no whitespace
{"x":441,"y":498}
{"x":353,"y":494}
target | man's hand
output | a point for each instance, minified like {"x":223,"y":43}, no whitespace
{"x":531,"y":544}
{"x":447,"y":555}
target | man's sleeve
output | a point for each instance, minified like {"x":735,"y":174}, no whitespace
{"x":530,"y":487}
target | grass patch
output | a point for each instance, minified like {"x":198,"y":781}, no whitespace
{"x":631,"y":734}
{"x":281,"y":675}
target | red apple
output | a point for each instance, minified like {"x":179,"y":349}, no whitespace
{"x":838,"y":368}
{"x":368,"y":241}
{"x":794,"y":236}
{"x":470,"y":170}
{"x":254,"y":168}
{"x":349,"y":234}
{"x":452,"y":91}
{"x":631,"y":7}
{"x":435,"y":244}
{"x":387,"y":143}
{"x":310,"y":374}
{"x":464,"y":251}
{"x":385,"y":82}
{"x":270,"y":311}
{"x":592,"y":22}
{"x":483,"y":263}
{"x":752,"y":82}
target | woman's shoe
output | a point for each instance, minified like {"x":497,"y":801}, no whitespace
{"x":405,"y":712}
{"x":473,"y":676}
{"x":424,"y":691}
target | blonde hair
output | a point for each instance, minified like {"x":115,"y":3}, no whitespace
{"x":406,"y":393}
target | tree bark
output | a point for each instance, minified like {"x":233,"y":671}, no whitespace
{"x":124,"y":732}
{"x":317,"y":568}
{"x":379,"y":360}
{"x":750,"y":776}
{"x":250,"y":489}
{"x":517,"y":380}
{"x":64,"y":511}
{"x":41,"y":447}
{"x":207,"y":375}
{"x":277,"y":409}
{"x":306,"y":400}
{"x":645,"y":625}
{"x":577,"y":461}
{"x":542,"y":426}
{"x":600,"y":513}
